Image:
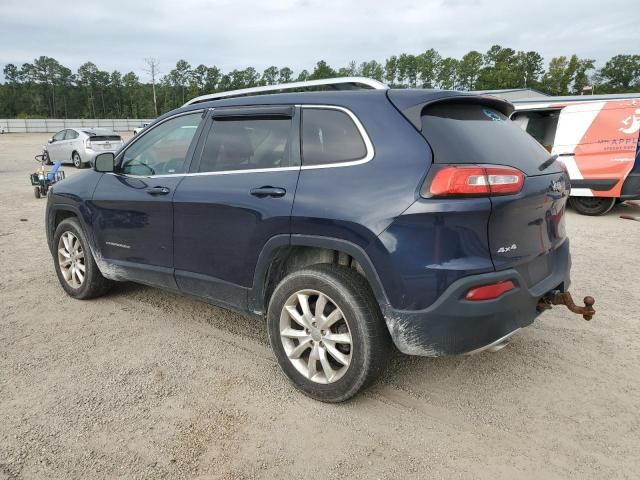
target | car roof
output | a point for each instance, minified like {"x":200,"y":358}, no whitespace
{"x":402,"y":98}
{"x":96,"y":130}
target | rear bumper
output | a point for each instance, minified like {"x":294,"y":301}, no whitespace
{"x":453,"y":325}
{"x":88,"y":155}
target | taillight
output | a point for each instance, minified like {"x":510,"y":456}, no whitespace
{"x":473,"y":181}
{"x":489,"y":292}
{"x":87,"y":143}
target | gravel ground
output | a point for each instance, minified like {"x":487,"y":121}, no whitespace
{"x":147,"y":384}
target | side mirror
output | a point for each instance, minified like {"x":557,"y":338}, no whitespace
{"x":50,"y":140}
{"x":105,"y":162}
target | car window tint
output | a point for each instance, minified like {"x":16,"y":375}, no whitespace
{"x":482,"y":135}
{"x":60,"y":135}
{"x":244,"y":144}
{"x":330,"y":136}
{"x":163,"y":149}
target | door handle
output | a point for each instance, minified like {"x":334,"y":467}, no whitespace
{"x":158,"y":190}
{"x":268,"y":191}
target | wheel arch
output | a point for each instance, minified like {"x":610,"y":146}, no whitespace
{"x":56,"y":214}
{"x":283,"y":254}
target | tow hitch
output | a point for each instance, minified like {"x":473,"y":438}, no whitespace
{"x":556,"y":297}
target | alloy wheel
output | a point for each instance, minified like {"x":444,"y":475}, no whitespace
{"x":71,"y":259}
{"x":316,"y":337}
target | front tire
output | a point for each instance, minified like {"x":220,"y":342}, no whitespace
{"x":75,"y":266}
{"x":327,"y":332}
{"x":592,"y":206}
{"x":77,"y":161}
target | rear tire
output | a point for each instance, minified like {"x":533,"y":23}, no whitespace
{"x":75,"y":266}
{"x":77,"y":161}
{"x":592,"y":206}
{"x":345,"y":344}
{"x":36,"y":192}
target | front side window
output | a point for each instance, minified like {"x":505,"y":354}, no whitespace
{"x":163,"y":150}
{"x":330,"y":136}
{"x":247,"y":144}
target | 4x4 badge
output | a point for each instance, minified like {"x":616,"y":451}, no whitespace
{"x":557,"y":186}
{"x":507,"y":249}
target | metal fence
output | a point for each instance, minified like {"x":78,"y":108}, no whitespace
{"x":52,"y":125}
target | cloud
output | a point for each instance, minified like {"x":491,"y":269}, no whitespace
{"x":119,"y":34}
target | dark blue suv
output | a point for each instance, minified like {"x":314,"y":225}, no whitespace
{"x":352,"y":220}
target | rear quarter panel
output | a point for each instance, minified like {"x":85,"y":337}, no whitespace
{"x":357,"y":202}
{"x":364,"y":205}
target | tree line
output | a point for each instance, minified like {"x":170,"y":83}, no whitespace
{"x":46,"y":88}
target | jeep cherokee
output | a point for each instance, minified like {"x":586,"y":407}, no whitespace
{"x":353,"y":220}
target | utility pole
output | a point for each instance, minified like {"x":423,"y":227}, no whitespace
{"x":152,"y":69}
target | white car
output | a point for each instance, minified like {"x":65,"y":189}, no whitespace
{"x":81,"y":145}
{"x":137,"y":130}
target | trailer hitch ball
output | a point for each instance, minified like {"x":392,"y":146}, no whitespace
{"x":564,"y":298}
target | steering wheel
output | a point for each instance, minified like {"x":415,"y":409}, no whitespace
{"x":140,"y":164}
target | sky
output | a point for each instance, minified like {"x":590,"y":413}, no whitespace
{"x":120,"y":34}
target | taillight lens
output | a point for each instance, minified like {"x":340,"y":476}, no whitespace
{"x":87,"y":143}
{"x":489,"y":292}
{"x":474,"y":181}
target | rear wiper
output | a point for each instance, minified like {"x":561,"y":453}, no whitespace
{"x":548,"y":162}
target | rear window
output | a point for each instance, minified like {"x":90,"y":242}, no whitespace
{"x":467,"y":133}
{"x":330,"y":136}
{"x":105,"y":138}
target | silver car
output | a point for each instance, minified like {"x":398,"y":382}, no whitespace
{"x":81,"y":145}
{"x":137,"y":130}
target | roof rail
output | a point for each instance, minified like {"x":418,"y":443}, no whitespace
{"x":367,"y":82}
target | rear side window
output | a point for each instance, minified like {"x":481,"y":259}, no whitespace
{"x":71,"y":135}
{"x":60,"y":135}
{"x":247,"y":144}
{"x":467,"y":133}
{"x":330,"y":136}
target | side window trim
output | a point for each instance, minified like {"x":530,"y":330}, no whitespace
{"x":370,"y":152}
{"x":190,"y":151}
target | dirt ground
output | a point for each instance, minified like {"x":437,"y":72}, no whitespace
{"x":147,"y":384}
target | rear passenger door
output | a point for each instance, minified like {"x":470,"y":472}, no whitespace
{"x":238,"y":195}
{"x":70,"y":144}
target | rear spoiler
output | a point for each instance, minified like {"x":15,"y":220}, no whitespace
{"x":412,"y":102}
